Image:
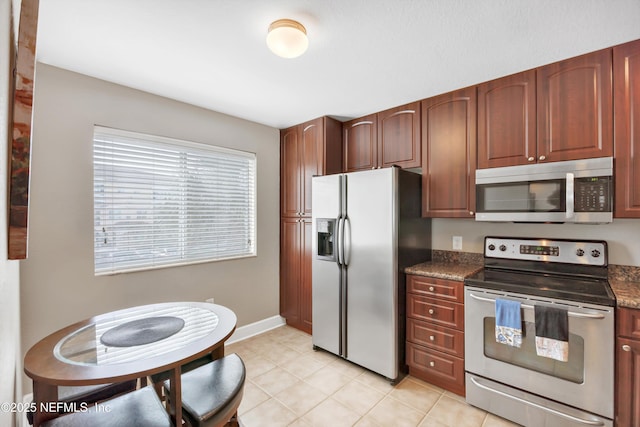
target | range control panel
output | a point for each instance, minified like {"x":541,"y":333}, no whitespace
{"x":587,"y":252}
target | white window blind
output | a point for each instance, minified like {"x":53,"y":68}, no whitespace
{"x":161,"y":202}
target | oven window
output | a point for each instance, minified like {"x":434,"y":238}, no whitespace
{"x":526,"y":357}
{"x":534,"y":196}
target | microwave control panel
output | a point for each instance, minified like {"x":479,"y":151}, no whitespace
{"x":593,"y":194}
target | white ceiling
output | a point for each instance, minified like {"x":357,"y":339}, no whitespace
{"x":364,"y":55}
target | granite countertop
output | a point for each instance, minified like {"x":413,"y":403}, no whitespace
{"x":448,"y":265}
{"x":625,"y":284}
{"x":623,"y":279}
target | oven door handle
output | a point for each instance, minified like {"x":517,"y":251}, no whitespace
{"x":530,"y":307}
{"x":544,"y":408}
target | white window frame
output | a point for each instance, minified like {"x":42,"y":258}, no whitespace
{"x":129,"y":166}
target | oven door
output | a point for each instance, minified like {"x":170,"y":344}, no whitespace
{"x":585,"y":381}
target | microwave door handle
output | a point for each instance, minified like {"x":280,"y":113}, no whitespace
{"x":570,"y":201}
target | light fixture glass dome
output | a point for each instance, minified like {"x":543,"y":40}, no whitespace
{"x":287,"y":38}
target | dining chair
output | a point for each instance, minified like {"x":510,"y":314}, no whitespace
{"x":211,"y":393}
{"x":90,"y":394}
{"x":139,"y":408}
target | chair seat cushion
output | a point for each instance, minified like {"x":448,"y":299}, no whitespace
{"x":209,"y":391}
{"x":90,"y":394}
{"x":140,"y":408}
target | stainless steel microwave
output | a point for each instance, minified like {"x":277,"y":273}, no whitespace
{"x":576,"y":191}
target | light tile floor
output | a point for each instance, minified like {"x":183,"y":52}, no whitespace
{"x":290,"y":384}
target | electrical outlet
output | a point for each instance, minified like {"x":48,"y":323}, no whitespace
{"x":457,"y":243}
{"x":210,"y":300}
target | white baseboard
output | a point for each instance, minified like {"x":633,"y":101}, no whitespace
{"x":256,"y":328}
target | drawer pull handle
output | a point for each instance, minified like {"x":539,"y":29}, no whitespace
{"x":431,"y":289}
{"x":432,"y":338}
{"x":431,"y":311}
{"x":626,"y":347}
{"x":432,"y":363}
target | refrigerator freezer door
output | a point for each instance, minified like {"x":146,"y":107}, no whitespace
{"x":372,"y":288}
{"x":326,"y":290}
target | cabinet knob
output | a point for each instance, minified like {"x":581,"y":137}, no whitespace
{"x":432,"y":363}
{"x":431,"y":311}
{"x":471,"y":212}
{"x":373,"y":167}
{"x":626,"y":347}
{"x":431,"y":289}
{"x":530,"y":159}
{"x":432,"y":338}
{"x":542,"y":157}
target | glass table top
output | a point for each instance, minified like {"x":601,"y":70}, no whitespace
{"x":86,"y":346}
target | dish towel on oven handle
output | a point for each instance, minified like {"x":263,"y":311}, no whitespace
{"x":508,"y":322}
{"x":552,"y":332}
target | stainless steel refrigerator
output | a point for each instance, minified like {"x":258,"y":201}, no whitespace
{"x":366,"y":229}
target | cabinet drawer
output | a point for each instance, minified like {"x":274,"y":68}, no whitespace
{"x":629,"y":322}
{"x":437,"y":368}
{"x":436,"y":337}
{"x":436,"y":288}
{"x":443,"y":313}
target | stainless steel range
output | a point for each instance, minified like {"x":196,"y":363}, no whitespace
{"x":516,"y":383}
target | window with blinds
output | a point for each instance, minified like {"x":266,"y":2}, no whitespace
{"x":161,"y":202}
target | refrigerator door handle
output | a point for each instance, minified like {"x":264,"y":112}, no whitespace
{"x":339,"y":241}
{"x":346,"y":241}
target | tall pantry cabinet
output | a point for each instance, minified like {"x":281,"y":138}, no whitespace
{"x":308,"y":149}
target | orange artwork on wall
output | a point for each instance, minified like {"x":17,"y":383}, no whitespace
{"x":21,"y":141}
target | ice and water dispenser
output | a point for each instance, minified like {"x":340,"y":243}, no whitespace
{"x":325,"y":227}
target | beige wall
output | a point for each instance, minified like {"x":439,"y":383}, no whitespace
{"x":623,"y":235}
{"x":58,"y":284}
{"x":10,"y":352}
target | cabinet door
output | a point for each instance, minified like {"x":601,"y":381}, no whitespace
{"x":305,"y":275}
{"x":399,"y":136}
{"x":626,"y":78}
{"x":312,"y":148}
{"x":290,"y":177}
{"x":449,"y":154}
{"x":507,"y":121}
{"x":575,"y":113}
{"x":360,"y":144}
{"x":290,"y":256}
{"x":628,"y":382}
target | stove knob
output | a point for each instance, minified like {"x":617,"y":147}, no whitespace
{"x":579,"y":252}
{"x":492,"y":247}
{"x":595,"y":253}
{"x":503,"y":248}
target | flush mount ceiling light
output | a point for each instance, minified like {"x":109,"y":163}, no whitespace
{"x":287,"y":38}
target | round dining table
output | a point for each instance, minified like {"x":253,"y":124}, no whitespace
{"x":127,"y":344}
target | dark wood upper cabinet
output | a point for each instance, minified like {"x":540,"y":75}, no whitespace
{"x":507,"y":121}
{"x":449,"y":154}
{"x":626,"y":78}
{"x":575,"y":113}
{"x":360,"y":143}
{"x":312,"y":148}
{"x":290,"y":177}
{"x":399,"y":136}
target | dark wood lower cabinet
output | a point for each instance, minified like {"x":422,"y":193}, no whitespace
{"x":628,"y":368}
{"x":435,"y":332}
{"x":295,"y":272}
